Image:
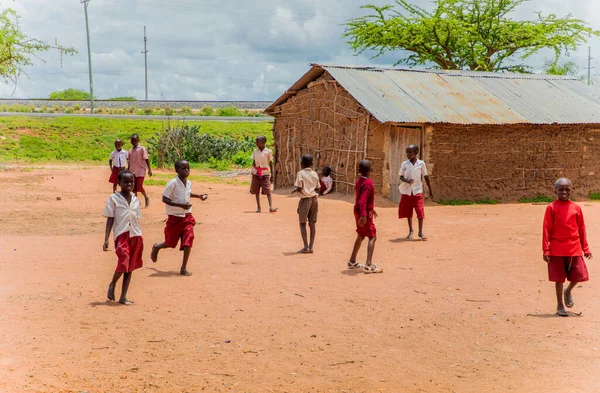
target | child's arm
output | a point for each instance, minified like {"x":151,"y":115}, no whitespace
{"x":297,"y":189}
{"x":402,"y":173}
{"x":149,"y":169}
{"x":199,"y":196}
{"x":168,"y":201}
{"x":299,"y":184}
{"x":548,"y":221}
{"x":109,"y":225}
{"x":271,"y":172}
{"x":110,"y":163}
{"x":329,"y":187}
{"x":429,"y":186}
{"x":583,"y":235}
{"x":362,"y":205}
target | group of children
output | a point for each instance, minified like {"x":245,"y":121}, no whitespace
{"x":564,"y":240}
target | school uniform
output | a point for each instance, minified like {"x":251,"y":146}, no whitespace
{"x":326,"y":185}
{"x":119,"y":162}
{"x":180,"y":222}
{"x":412,"y":194}
{"x":261,"y":172}
{"x":129,"y":244}
{"x":308,"y":206}
{"x":137,"y":164}
{"x":565,"y":241}
{"x":363,"y":207}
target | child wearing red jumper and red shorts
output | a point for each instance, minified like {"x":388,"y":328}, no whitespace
{"x":564,"y":241}
{"x":364,"y":215}
{"x":122,"y":212}
{"x":180,"y":221}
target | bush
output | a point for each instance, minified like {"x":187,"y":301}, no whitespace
{"x":148,"y":111}
{"x":76,"y":107}
{"x":230,"y":111}
{"x":122,"y":99}
{"x":188,"y":142}
{"x":537,"y":199}
{"x":69,"y":110}
{"x":207,"y":111}
{"x":595,"y":196}
{"x":456,"y":202}
{"x":186,"y":111}
{"x":70,"y":94}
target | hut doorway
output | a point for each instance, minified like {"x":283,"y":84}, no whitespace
{"x":400,"y":137}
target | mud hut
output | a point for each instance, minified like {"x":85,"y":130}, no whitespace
{"x":484,"y":135}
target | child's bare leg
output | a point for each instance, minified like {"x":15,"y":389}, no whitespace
{"x":258,"y":203}
{"x":569,"y":296}
{"x":146,"y":198}
{"x":126,"y":281}
{"x":313,"y":233}
{"x":421,"y":235}
{"x":356,"y":249}
{"x":560,"y":306}
{"x":186,"y":257}
{"x":304,"y":234}
{"x":370,"y":250}
{"x":271,"y":208}
{"x":410,"y":228}
{"x":111,"y":287}
{"x":114,"y":188}
{"x":155,"y":249}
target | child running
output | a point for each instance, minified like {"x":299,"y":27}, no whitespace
{"x":117,"y":162}
{"x":262,"y":170}
{"x":138,"y":164}
{"x":122,"y":212}
{"x":364,"y":214}
{"x":564,"y":241}
{"x":180,"y":222}
{"x":326,"y":181}
{"x":412,"y":172}
{"x":307,"y":185}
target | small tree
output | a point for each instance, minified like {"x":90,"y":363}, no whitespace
{"x":478,"y":35}
{"x":567,"y":68}
{"x":70,"y":94}
{"x":17,"y":50}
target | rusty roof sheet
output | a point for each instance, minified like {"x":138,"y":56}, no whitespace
{"x":462,"y":97}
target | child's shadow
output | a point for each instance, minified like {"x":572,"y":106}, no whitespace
{"x":545,"y":316}
{"x":160,"y":273}
{"x":352,"y":272}
{"x":105,"y":303}
{"x":401,"y":240}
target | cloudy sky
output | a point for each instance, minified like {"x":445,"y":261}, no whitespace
{"x":211,"y":50}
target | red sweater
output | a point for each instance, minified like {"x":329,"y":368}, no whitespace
{"x":365,"y":196}
{"x":564,"y":230}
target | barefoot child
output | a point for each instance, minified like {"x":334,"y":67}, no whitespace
{"x":564,"y":242}
{"x":122,"y":212}
{"x":117,"y":162}
{"x":262,"y":170}
{"x":180,"y":222}
{"x":326,"y":181}
{"x":364,"y":214}
{"x":307,"y":186}
{"x":412,"y":172}
{"x":138,"y":164}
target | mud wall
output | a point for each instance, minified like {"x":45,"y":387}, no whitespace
{"x":512,"y":161}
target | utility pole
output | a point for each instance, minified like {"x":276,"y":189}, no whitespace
{"x":145,"y":52}
{"x":87,"y":28}
{"x":589,"y":67}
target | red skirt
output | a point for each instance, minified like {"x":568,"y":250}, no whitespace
{"x":368,"y":230}
{"x":410,"y":202}
{"x":567,"y":268}
{"x":114,"y":175}
{"x":139,"y":184}
{"x":180,"y":228}
{"x":129,"y":253}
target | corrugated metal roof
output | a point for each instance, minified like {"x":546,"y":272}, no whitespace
{"x":462,"y":97}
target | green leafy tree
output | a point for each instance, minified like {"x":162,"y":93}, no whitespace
{"x":17,"y":50}
{"x":70,"y":94}
{"x":464,"y":34}
{"x":567,"y":68}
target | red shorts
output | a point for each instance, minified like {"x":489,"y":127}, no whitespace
{"x":139,"y":184}
{"x":567,"y":268}
{"x":180,"y":228}
{"x":129,"y":253}
{"x":114,"y":175}
{"x":367,"y":230}
{"x":410,"y":202}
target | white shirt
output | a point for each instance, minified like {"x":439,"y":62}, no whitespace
{"x":177,"y":192}
{"x":262,"y":160}
{"x":119,"y":158}
{"x":308,"y":180}
{"x":413,"y":172}
{"x":126,"y":215}
{"x":328,"y":181}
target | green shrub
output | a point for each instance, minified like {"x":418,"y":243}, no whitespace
{"x":70,"y":94}
{"x":456,"y":202}
{"x":186,"y":111}
{"x":69,"y":110}
{"x":4,"y":108}
{"x":207,"y":111}
{"x":242,"y":158}
{"x":487,"y":201}
{"x":230,"y":111}
{"x":148,"y":111}
{"x":595,"y":196}
{"x":76,"y":107}
{"x":122,"y":99}
{"x":537,"y":199}
{"x":57,"y":108}
{"x":169,"y":111}
{"x":219,"y":165}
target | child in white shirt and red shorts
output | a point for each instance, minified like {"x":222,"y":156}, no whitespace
{"x":117,"y":162}
{"x":180,"y":221}
{"x":412,"y":172}
{"x":262,"y":172}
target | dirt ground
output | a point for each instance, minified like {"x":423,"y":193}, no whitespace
{"x":468,"y":311}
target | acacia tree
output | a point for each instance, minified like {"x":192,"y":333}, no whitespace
{"x":17,"y":50}
{"x":464,"y":34}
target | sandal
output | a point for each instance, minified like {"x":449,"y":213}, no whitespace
{"x":372,"y":269}
{"x":562,"y":313}
{"x":355,"y":265}
{"x":568,"y":300}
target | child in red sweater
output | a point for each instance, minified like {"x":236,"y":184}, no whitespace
{"x":364,"y":214}
{"x":564,"y":241}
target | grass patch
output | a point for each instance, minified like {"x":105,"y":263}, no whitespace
{"x":456,"y":202}
{"x":73,"y":139}
{"x":595,"y":196}
{"x":487,"y":201}
{"x":162,"y":180}
{"x":537,"y":199}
